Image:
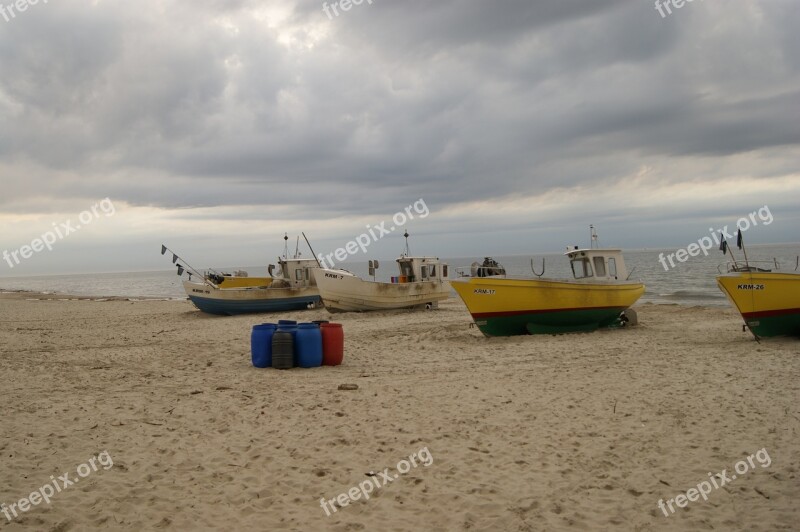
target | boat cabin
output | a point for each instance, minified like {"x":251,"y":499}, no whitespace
{"x":597,"y":264}
{"x":297,"y":272}
{"x":417,"y":269}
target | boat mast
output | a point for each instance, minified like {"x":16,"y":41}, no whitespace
{"x":593,"y":241}
{"x":407,"y":252}
{"x":312,"y":250}
{"x":181,"y":268}
{"x":285,"y":245}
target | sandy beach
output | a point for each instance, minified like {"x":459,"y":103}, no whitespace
{"x":572,"y":432}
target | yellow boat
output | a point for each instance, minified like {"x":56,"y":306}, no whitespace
{"x":596,"y":297}
{"x":769,"y":301}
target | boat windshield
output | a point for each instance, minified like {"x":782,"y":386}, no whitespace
{"x":600,"y":266}
{"x":581,"y":268}
{"x":406,"y":268}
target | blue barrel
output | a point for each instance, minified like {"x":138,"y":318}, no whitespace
{"x":261,"y":345}
{"x":308,"y":345}
{"x":282,"y":350}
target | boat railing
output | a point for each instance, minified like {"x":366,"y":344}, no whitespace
{"x":739,"y":266}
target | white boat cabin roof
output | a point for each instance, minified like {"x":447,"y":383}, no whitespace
{"x":599,"y":264}
{"x":421,"y":259}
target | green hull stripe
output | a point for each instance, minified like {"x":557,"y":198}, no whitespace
{"x":783,"y":325}
{"x":548,"y":323}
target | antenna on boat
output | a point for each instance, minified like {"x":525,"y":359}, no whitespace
{"x":593,"y":241}
{"x":740,"y":245}
{"x":297,"y":248}
{"x":407,"y":252}
{"x":285,"y":245}
{"x":724,"y":248}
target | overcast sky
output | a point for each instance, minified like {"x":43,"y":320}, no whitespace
{"x":215,"y":126}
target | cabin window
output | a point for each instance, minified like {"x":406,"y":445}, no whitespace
{"x":423,"y":272}
{"x":433,"y":271}
{"x":612,"y":268}
{"x":405,"y":269}
{"x":444,"y":271}
{"x":298,"y":274}
{"x":581,"y":268}
{"x":599,"y":267}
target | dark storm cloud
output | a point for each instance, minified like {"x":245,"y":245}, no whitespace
{"x":179,"y":104}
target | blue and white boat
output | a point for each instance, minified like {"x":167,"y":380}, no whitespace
{"x":293,"y":287}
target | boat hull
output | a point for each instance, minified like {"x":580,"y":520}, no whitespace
{"x":769,"y":302}
{"x":234,"y":301}
{"x":344,"y":293}
{"x":506,"y":307}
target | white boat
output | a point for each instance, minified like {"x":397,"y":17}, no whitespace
{"x":293,"y":289}
{"x":422,"y":283}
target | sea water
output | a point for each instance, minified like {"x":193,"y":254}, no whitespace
{"x":688,"y":283}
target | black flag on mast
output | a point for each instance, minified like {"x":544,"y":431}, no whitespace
{"x":739,"y":241}
{"x":723,"y":246}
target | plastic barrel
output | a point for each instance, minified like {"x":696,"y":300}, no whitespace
{"x":288,"y":325}
{"x":308,"y":346}
{"x":261,"y":345}
{"x":332,"y":344}
{"x":282,"y":350}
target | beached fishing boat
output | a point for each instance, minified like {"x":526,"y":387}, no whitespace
{"x":421,"y":283}
{"x":767,"y":298}
{"x":597,"y":296}
{"x":292,"y":287}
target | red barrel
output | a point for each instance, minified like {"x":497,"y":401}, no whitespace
{"x":332,"y":343}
